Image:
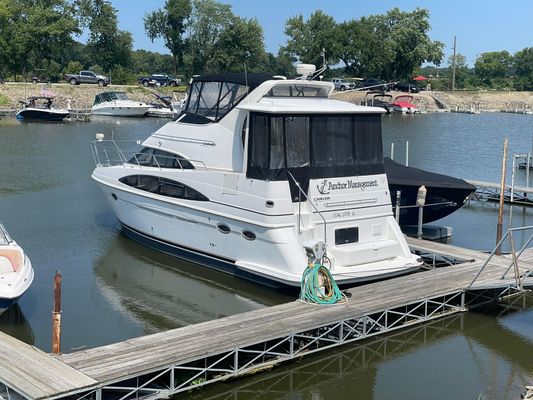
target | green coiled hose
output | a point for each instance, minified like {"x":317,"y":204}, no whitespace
{"x":311,"y":286}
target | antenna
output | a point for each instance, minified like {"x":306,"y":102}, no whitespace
{"x":246,"y":76}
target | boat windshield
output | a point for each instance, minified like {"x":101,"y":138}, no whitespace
{"x":327,"y":145}
{"x":211,"y":101}
{"x":4,"y":236}
{"x":109,"y":96}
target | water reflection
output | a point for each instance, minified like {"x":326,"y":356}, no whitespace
{"x":466,"y":356}
{"x":14,"y":323}
{"x":163,"y":292}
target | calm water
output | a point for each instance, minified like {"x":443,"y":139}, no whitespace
{"x":114,"y":289}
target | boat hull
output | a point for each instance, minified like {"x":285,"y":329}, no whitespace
{"x":7,"y":303}
{"x":445,"y":194}
{"x":198,"y":257}
{"x":41,"y":115}
{"x":13,"y":286}
{"x":275,"y":258}
{"x":121,"y":109}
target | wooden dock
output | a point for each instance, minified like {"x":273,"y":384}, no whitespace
{"x":166,"y":363}
{"x":512,"y":193}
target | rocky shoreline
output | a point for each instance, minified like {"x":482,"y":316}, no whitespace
{"x":76,"y":97}
{"x":459,"y":101}
{"x":81,"y":97}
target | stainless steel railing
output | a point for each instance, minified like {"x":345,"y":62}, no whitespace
{"x":300,"y":193}
{"x":514,"y":255}
{"x":108,"y":153}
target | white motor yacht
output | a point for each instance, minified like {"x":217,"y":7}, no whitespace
{"x":16,"y":273}
{"x":257,"y":177}
{"x":117,"y":104}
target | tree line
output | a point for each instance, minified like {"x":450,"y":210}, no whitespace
{"x":205,"y":36}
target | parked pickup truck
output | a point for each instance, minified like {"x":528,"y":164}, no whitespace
{"x":87,"y":77}
{"x":159,"y":80}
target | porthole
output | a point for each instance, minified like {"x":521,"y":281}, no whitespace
{"x":269,"y":204}
{"x":114,"y":196}
{"x":248,"y":235}
{"x":223,"y":228}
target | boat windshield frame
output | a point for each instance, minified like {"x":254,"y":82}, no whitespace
{"x":5,"y":239}
{"x":109,"y":96}
{"x":210,"y":101}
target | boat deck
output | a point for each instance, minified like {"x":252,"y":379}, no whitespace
{"x":210,"y":351}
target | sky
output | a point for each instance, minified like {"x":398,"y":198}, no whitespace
{"x":479,"y":26}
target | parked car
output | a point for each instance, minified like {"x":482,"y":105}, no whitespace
{"x":342,"y":84}
{"x":87,"y":77}
{"x":159,"y":80}
{"x":40,"y":76}
{"x":374,"y":84}
{"x":406,"y":87}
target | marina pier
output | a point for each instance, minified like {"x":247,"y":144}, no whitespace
{"x":178,"y":360}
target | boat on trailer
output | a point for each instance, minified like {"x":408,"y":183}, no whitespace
{"x":16,"y":272}
{"x":257,"y":177}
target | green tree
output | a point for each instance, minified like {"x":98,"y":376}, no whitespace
{"x":170,"y":23}
{"x":403,"y":43}
{"x":308,"y":38}
{"x":356,"y":48}
{"x":240,"y":43}
{"x":34,"y":31}
{"x":209,"y":19}
{"x":279,"y":65}
{"x":493,"y":65}
{"x":523,"y":66}
{"x":107,"y":45}
{"x":148,"y":62}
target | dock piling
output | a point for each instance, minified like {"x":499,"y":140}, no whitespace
{"x":56,"y":315}
{"x":499,"y":227}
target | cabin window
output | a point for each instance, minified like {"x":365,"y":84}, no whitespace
{"x":296,"y":90}
{"x":149,"y":157}
{"x":223,"y":228}
{"x":297,"y":134}
{"x":333,"y":141}
{"x":315,"y":146}
{"x":163,"y":186}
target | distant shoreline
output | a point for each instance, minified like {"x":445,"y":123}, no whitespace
{"x":76,"y":97}
{"x":81,"y":97}
{"x":482,"y":101}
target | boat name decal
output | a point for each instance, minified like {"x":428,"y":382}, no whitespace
{"x":325,"y":187}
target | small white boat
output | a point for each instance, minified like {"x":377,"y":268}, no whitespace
{"x":39,"y":108}
{"x":118,"y":104}
{"x":16,"y":273}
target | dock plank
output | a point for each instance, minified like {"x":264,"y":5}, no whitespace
{"x":214,"y":337}
{"x":52,"y":376}
{"x":34,"y":373}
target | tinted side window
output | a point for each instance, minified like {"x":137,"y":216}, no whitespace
{"x":163,"y":187}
